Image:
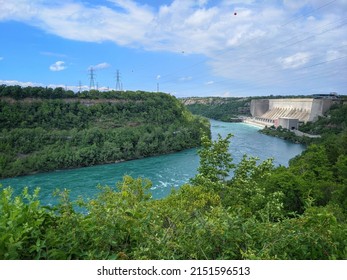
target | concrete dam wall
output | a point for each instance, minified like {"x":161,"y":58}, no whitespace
{"x":303,"y":109}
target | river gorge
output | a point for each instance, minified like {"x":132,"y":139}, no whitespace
{"x":165,"y":172}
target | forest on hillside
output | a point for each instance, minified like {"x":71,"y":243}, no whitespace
{"x":263,"y":212}
{"x":223,"y":109}
{"x":45,"y":129}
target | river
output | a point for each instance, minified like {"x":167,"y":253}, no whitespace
{"x":166,"y":171}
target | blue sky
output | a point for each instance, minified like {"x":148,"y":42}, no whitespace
{"x":187,"y":47}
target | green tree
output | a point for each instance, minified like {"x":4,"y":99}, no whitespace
{"x":215,"y":162}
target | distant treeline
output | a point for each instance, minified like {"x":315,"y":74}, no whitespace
{"x":18,"y":92}
{"x":52,"y":131}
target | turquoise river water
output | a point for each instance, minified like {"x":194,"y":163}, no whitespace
{"x":166,"y":171}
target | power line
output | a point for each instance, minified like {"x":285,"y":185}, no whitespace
{"x":268,"y":51}
{"x":269,"y":82}
{"x":309,"y":13}
{"x":310,"y":37}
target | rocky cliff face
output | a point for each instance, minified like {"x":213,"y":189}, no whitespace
{"x":197,"y":100}
{"x":218,"y":108}
{"x":209,"y":100}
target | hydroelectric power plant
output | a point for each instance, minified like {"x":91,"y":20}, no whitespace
{"x":289,"y":112}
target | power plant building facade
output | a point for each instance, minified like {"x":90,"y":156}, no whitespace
{"x":289,"y":112}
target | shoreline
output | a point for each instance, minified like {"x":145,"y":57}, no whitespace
{"x":98,"y":164}
{"x":254,"y":123}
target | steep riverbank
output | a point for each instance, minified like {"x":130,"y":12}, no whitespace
{"x":39,"y":133}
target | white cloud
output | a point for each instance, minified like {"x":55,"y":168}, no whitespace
{"x":233,"y":2}
{"x":185,"y":79}
{"x":57,"y":66}
{"x":158,"y":77}
{"x":313,"y":5}
{"x":201,"y":17}
{"x":100,"y":66}
{"x":294,"y":4}
{"x":53,"y":54}
{"x":75,"y":20}
{"x":1,"y":58}
{"x":188,"y":25}
{"x":333,"y":54}
{"x":209,"y":83}
{"x":295,"y":61}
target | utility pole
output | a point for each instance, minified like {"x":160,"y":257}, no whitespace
{"x":79,"y":86}
{"x":91,"y":78}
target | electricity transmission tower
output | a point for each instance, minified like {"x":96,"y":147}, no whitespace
{"x":91,"y":78}
{"x":119,"y":85}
